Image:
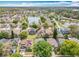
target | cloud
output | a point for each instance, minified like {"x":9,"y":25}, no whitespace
{"x":48,"y":4}
{"x":18,"y":5}
{"x":74,"y":4}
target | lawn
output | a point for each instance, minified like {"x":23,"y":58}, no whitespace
{"x":31,"y":36}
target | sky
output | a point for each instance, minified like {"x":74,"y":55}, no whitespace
{"x":39,"y":0}
{"x":39,"y":3}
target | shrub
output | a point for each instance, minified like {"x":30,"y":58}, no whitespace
{"x":15,"y":55}
{"x":42,"y":19}
{"x":4,"y":35}
{"x":77,"y":36}
{"x":66,"y":36}
{"x":15,"y":21}
{"x":46,"y":25}
{"x":23,"y":35}
{"x":70,"y":48}
{"x":42,"y":49}
{"x":1,"y":49}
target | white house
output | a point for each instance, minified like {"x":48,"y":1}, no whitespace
{"x":32,"y":20}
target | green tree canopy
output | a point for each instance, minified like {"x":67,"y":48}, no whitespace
{"x":42,"y":19}
{"x":24,"y":25}
{"x":34,"y":25}
{"x":23,"y":34}
{"x":42,"y":49}
{"x":69,"y":47}
{"x":15,"y":21}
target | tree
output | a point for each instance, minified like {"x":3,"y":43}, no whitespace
{"x":15,"y":21}
{"x":4,"y":35}
{"x":69,"y":48}
{"x":45,"y":25}
{"x":51,"y":17}
{"x":24,"y":25}
{"x":55,"y":37}
{"x":23,"y":35}
{"x":42,"y":49}
{"x":34,"y":26}
{"x":12,"y":34}
{"x":55,"y":34}
{"x":42,"y":19}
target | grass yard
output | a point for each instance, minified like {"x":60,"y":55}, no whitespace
{"x":31,"y":36}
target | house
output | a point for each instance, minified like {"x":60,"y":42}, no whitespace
{"x":65,"y":31}
{"x":49,"y":31}
{"x":32,"y":20}
{"x":7,"y":49}
{"x":24,"y":44}
{"x":31,"y":31}
{"x":41,"y":31}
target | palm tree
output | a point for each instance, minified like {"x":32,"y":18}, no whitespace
{"x":55,"y":37}
{"x":12,"y":34}
{"x":55,"y":34}
{"x":12,"y":37}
